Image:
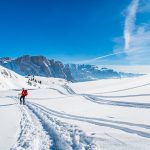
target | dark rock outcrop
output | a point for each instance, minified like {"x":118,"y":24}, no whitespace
{"x":42,"y":66}
{"x":85,"y":72}
{"x":39,"y":66}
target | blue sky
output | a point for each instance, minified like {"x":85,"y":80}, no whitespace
{"x":76,"y":30}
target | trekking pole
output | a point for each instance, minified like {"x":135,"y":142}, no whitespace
{"x":19,"y":97}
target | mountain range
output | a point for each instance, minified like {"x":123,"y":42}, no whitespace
{"x":42,"y":66}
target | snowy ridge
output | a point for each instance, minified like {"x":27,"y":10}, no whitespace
{"x":11,"y":80}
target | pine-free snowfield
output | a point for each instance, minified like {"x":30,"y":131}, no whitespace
{"x":103,"y":115}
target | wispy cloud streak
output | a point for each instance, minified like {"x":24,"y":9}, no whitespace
{"x":136,"y":37}
{"x":130,"y":22}
{"x":97,"y":59}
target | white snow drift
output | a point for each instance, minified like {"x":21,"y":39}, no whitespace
{"x":108,"y":114}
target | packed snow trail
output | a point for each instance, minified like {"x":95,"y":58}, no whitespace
{"x":123,"y":126}
{"x":102,"y":99}
{"x":64,"y":135}
{"x":42,"y":131}
{"x":99,"y":100}
{"x":32,"y":135}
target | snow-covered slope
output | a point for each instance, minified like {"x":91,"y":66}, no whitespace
{"x":9,"y":121}
{"x":11,"y":80}
{"x":108,"y":114}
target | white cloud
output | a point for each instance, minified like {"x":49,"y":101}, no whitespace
{"x":99,"y":59}
{"x":136,"y":44}
{"x":140,"y":43}
{"x":137,"y":36}
{"x":130,"y":22}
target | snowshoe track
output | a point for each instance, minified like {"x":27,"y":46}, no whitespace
{"x":32,"y":135}
{"x":40,"y":130}
{"x":64,"y":135}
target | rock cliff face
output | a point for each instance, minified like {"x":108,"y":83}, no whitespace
{"x":42,"y":66}
{"x":37,"y":65}
{"x":85,"y":72}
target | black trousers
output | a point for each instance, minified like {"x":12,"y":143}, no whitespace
{"x":22,"y":100}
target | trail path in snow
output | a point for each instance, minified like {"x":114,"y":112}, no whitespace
{"x":102,"y":99}
{"x":32,"y":135}
{"x":45,"y":127}
{"x":40,"y":130}
{"x":123,"y":126}
{"x":139,"y":129}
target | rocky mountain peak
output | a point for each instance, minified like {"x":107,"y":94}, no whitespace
{"x":39,"y":66}
{"x":5,"y":59}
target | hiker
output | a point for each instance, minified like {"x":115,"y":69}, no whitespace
{"x":24,"y":93}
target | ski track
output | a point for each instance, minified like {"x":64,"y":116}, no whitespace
{"x":123,"y":126}
{"x":57,"y":91}
{"x":32,"y":135}
{"x":127,"y":126}
{"x":40,"y":128}
{"x":42,"y":131}
{"x":103,"y":101}
{"x":100,"y":99}
{"x":126,"y":89}
{"x":64,"y":135}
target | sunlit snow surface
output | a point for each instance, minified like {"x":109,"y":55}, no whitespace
{"x":105,"y":114}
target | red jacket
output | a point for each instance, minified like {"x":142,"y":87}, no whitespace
{"x":24,"y":93}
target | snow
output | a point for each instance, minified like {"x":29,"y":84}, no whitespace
{"x":137,"y":69}
{"x":9,"y":121}
{"x":11,"y":80}
{"x":32,"y":136}
{"x":110,"y":114}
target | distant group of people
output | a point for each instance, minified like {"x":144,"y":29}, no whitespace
{"x":23,"y":94}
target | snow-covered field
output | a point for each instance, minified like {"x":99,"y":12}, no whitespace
{"x":109,"y":114}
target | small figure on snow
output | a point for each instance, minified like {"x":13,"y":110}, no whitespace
{"x":24,"y":93}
